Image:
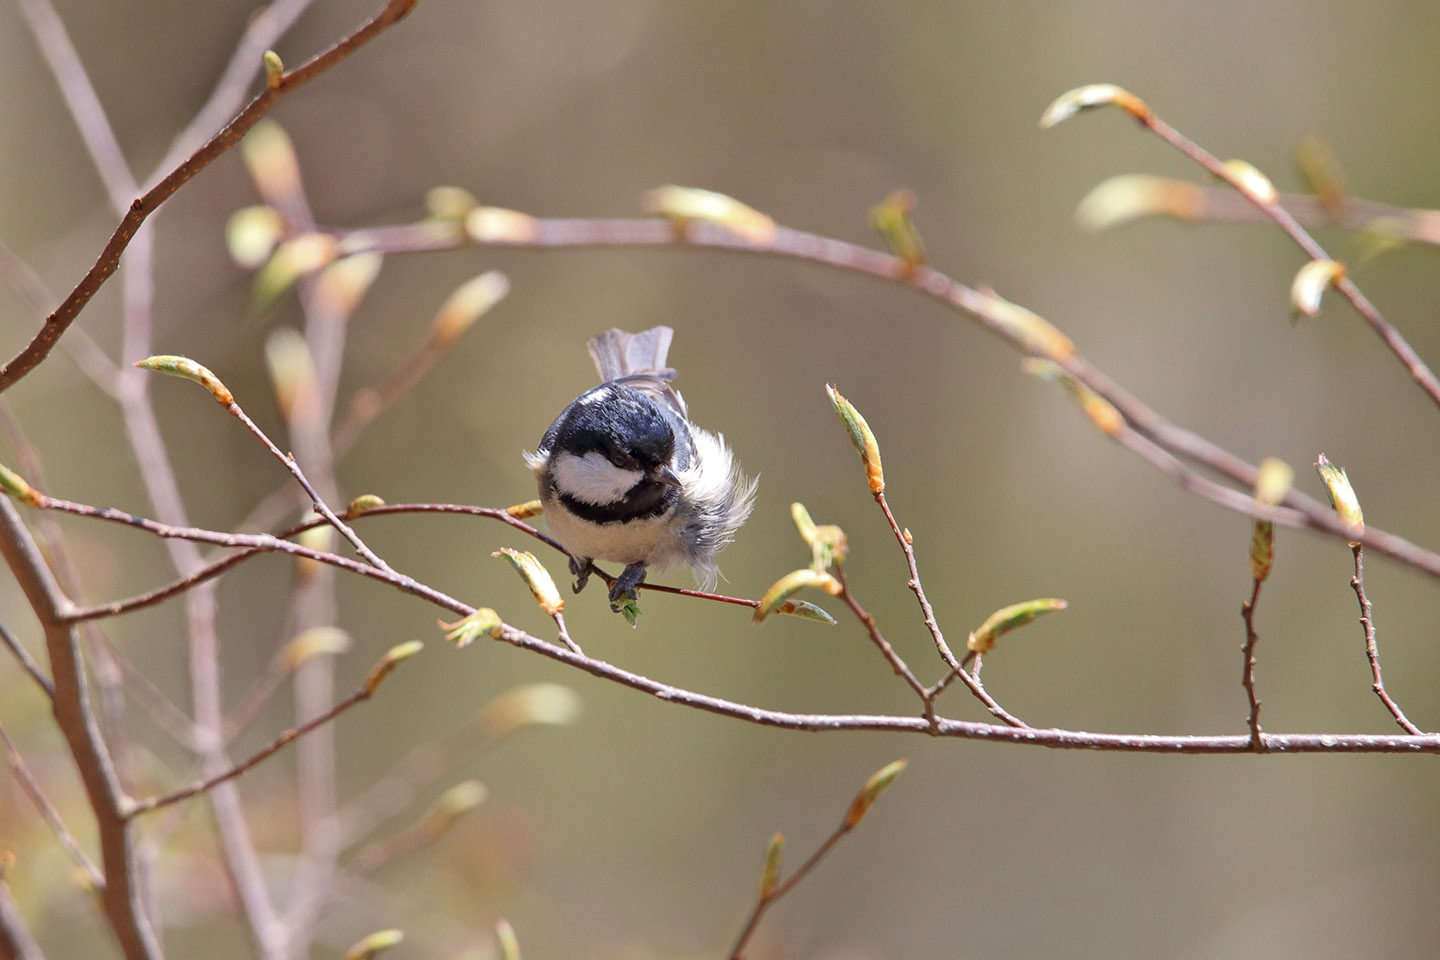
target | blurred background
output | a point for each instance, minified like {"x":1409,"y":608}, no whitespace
{"x":639,"y":831}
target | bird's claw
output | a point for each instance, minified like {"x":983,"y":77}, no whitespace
{"x":623,"y":589}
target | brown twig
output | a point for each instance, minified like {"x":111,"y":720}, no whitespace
{"x":16,"y":941}
{"x":56,"y":323}
{"x":138,"y":807}
{"x":1272,"y":208}
{"x":75,"y":717}
{"x":897,"y":663}
{"x":851,"y":258}
{"x":1372,"y":650}
{"x":928,"y":612}
{"x":28,"y":663}
{"x":1224,"y":205}
{"x":1247,"y":676}
{"x":767,"y":899}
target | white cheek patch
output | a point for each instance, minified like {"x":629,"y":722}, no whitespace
{"x":592,"y":478}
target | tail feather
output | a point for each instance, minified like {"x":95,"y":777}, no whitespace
{"x":620,"y":354}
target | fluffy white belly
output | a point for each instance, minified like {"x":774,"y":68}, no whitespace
{"x":651,"y":541}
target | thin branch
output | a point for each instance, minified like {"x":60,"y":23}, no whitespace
{"x":928,"y":612}
{"x":1224,"y":205}
{"x":1392,"y":338}
{"x":28,"y":663}
{"x":1247,"y":675}
{"x":144,"y":205}
{"x":76,"y":719}
{"x":1372,"y":650}
{"x":285,"y":739}
{"x":897,"y":663}
{"x":767,"y":899}
{"x":851,"y":258}
{"x":16,"y":942}
{"x":48,"y":813}
{"x":321,"y":507}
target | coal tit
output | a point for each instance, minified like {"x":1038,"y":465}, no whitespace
{"x":625,"y":476}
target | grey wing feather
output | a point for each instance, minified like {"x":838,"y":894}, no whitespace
{"x":639,"y":360}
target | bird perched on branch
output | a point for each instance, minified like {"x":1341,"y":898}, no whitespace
{"x":625,"y":476}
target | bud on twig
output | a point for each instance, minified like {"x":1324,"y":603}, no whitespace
{"x":395,"y":656}
{"x":876,"y":785}
{"x":526,"y":510}
{"x":681,"y":205}
{"x":374,"y":944}
{"x":1342,"y":495}
{"x":1092,"y":95}
{"x":770,"y":871}
{"x":471,"y":300}
{"x":862,"y":437}
{"x":1005,"y":619}
{"x":1311,"y":282}
{"x":891,"y":218}
{"x":467,"y":630}
{"x":188,"y":369}
{"x":274,"y":69}
{"x":791,"y":584}
{"x":1130,"y":196}
{"x":534,"y":704}
{"x":16,"y":486}
{"x":536,"y":577}
{"x":1250,"y":181}
{"x":1274,"y":482}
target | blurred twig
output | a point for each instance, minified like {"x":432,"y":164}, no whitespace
{"x":1372,"y":650}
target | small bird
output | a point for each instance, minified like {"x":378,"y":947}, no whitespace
{"x":625,"y":476}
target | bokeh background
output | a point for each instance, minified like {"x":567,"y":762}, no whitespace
{"x":639,"y":831}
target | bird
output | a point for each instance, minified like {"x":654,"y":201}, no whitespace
{"x":624,"y":476}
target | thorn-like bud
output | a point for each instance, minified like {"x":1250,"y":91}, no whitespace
{"x":450,"y":806}
{"x":534,"y":704}
{"x":1342,"y":495}
{"x":292,"y":375}
{"x":1310,"y":284}
{"x":374,"y":944}
{"x":536,"y":577}
{"x":252,"y":233}
{"x":770,"y":870}
{"x":274,"y":69}
{"x":497,"y":225}
{"x":1092,"y":95}
{"x":803,"y":523}
{"x":269,"y":157}
{"x":1101,"y":412}
{"x":861,"y":436}
{"x":526,"y":510}
{"x":892,"y":219}
{"x":682,"y":205}
{"x":188,"y":369}
{"x":450,"y":203}
{"x":791,"y":584}
{"x":1005,"y":619}
{"x":1128,"y":197}
{"x":471,"y":300}
{"x":395,"y":656}
{"x":506,"y":940}
{"x":1032,"y":331}
{"x":363,"y":504}
{"x":16,"y":487}
{"x":467,"y":630}
{"x":341,"y":285}
{"x":1246,"y":178}
{"x":876,"y":785}
{"x":1274,"y":482}
{"x":314,"y":642}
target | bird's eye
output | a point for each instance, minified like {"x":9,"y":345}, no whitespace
{"x":618,"y":459}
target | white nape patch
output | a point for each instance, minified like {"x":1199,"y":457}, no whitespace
{"x":598,"y":395}
{"x":592,"y":478}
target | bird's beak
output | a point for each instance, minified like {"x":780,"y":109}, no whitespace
{"x":663,"y":474}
